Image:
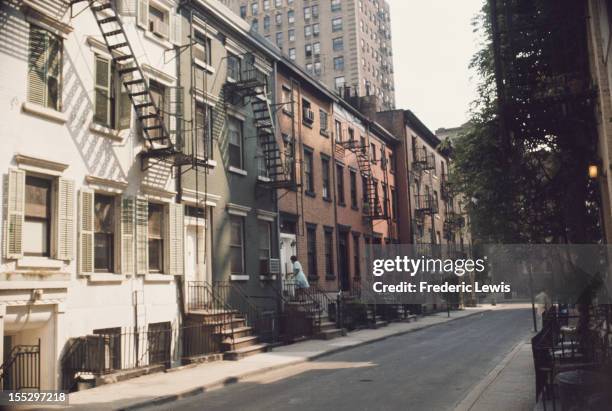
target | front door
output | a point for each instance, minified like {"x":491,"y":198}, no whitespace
{"x":343,"y":265}
{"x":287,"y":249}
{"x":191,"y":250}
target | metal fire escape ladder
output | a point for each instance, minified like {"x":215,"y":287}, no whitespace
{"x":148,"y":113}
{"x":375,"y":211}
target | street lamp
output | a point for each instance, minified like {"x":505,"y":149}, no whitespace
{"x":593,"y":170}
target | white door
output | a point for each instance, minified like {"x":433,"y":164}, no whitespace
{"x":287,"y":249}
{"x":191,"y":265}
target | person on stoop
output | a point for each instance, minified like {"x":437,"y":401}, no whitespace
{"x":301,"y":282}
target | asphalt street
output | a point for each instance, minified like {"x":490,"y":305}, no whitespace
{"x":431,"y":369}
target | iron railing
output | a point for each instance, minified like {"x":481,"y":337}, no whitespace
{"x":21,"y":371}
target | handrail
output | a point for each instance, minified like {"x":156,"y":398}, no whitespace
{"x":32,"y":375}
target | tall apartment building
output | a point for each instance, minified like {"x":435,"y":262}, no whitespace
{"x":343,"y":43}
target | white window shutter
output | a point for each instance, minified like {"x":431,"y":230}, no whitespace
{"x":86,"y":231}
{"x":142,"y":235}
{"x":127,"y":235}
{"x":14,"y":190}
{"x":142,"y":19}
{"x":176,"y":227}
{"x":175,"y":28}
{"x":201,"y":250}
{"x":65,"y":219}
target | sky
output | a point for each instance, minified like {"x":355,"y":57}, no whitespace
{"x":433,"y":43}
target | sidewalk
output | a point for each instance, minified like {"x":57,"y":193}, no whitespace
{"x":160,"y":388}
{"x":509,"y":386}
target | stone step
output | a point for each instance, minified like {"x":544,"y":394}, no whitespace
{"x":236,"y":321}
{"x":238,"y":332}
{"x":237,"y":343}
{"x":327,"y":325}
{"x":328,"y":334}
{"x":240,"y":353}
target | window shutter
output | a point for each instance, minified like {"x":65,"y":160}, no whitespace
{"x":37,"y":71}
{"x":175,"y":230}
{"x":142,"y":235}
{"x":143,"y":14}
{"x":86,"y":231}
{"x":175,"y":28}
{"x":13,"y":224}
{"x":65,"y":219}
{"x":54,"y":71}
{"x":127,"y":235}
{"x":102,"y":90}
{"x":201,"y":259}
{"x":125,"y":109}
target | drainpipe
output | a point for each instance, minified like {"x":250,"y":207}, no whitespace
{"x":334,"y":188}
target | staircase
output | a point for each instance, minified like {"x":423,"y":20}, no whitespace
{"x":21,"y":370}
{"x":278,"y":157}
{"x":151,"y":117}
{"x":372,"y":208}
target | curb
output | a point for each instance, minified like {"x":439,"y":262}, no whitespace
{"x":235,"y":379}
{"x":474,"y":395}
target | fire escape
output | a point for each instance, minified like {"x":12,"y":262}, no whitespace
{"x":278,"y":157}
{"x":161,"y":128}
{"x":372,"y":208}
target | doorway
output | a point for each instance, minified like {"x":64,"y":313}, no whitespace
{"x":343,"y":263}
{"x":287,"y":249}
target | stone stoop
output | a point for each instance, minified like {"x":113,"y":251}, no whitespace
{"x":328,"y":330}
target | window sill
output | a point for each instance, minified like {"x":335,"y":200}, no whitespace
{"x":307,"y":124}
{"x":330,"y":277}
{"x":313,"y":278}
{"x":324,"y":133}
{"x":107,"y":132}
{"x":158,"y":278}
{"x":355,"y":208}
{"x":342,"y":204}
{"x":287,"y":113}
{"x":310,"y":193}
{"x":105,"y":278}
{"x":239,"y":277}
{"x":267,"y":277}
{"x":237,"y":170}
{"x":44,"y":112}
{"x":264,"y":179}
{"x":40,"y":262}
{"x":159,"y":40}
{"x":202,"y":64}
{"x":328,"y":199}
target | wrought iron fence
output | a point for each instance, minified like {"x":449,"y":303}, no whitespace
{"x":21,"y":370}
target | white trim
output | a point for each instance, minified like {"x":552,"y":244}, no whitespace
{"x":106,"y":185}
{"x":44,"y":112}
{"x":40,"y":165}
{"x":266,"y":215}
{"x":204,"y":28}
{"x":25,"y":285}
{"x":159,"y":75}
{"x":157,"y":194}
{"x":36,"y":15}
{"x":237,"y":170}
{"x":206,"y":98}
{"x":107,"y":132}
{"x":237,"y":209}
{"x":105,"y":278}
{"x":239,"y":277}
{"x":239,"y":115}
{"x":159,"y":40}
{"x":202,"y":64}
{"x":267,"y":277}
{"x":189,"y":197}
{"x":264,"y":179}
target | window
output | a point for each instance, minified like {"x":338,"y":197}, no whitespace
{"x":372,"y":152}
{"x":265,"y":241}
{"x":339,"y":63}
{"x":306,"y":13}
{"x":44,"y":68}
{"x":291,"y":34}
{"x":234,"y":65}
{"x":254,"y":9}
{"x":391,"y":163}
{"x":385,"y":199}
{"x":308,"y":171}
{"x":315,"y":11}
{"x":309,"y":67}
{"x":236,"y":245}
{"x":329,"y":252}
{"x":291,"y":16}
{"x":338,"y":130}
{"x":337,"y":24}
{"x":393,"y":203}
{"x":159,"y":21}
{"x":278,"y":19}
{"x":37,"y":228}
{"x":362,"y":144}
{"x":315,"y":29}
{"x":311,"y":245}
{"x":266,"y":4}
{"x":340,"y":184}
{"x":317,"y":68}
{"x":158,"y":92}
{"x":353,"y":187}
{"x":278,"y":3}
{"x":279,"y":39}
{"x":235,"y":142}
{"x":266,"y":23}
{"x":356,"y":257}
{"x":351,"y":133}
{"x":202,"y":48}
{"x":104,"y":229}
{"x":338,"y":44}
{"x":325,"y":174}
{"x":364,"y":190}
{"x":339,"y":82}
{"x":243,"y":11}
{"x":336,"y":5}
{"x":307,"y":31}
{"x":308,"y":50}
{"x":323,"y":122}
{"x":204,"y":131}
{"x":156,"y":238}
{"x":316,"y":48}
{"x":255,"y":25}
{"x":286,"y":100}
{"x":112,"y":106}
{"x":292,"y":53}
